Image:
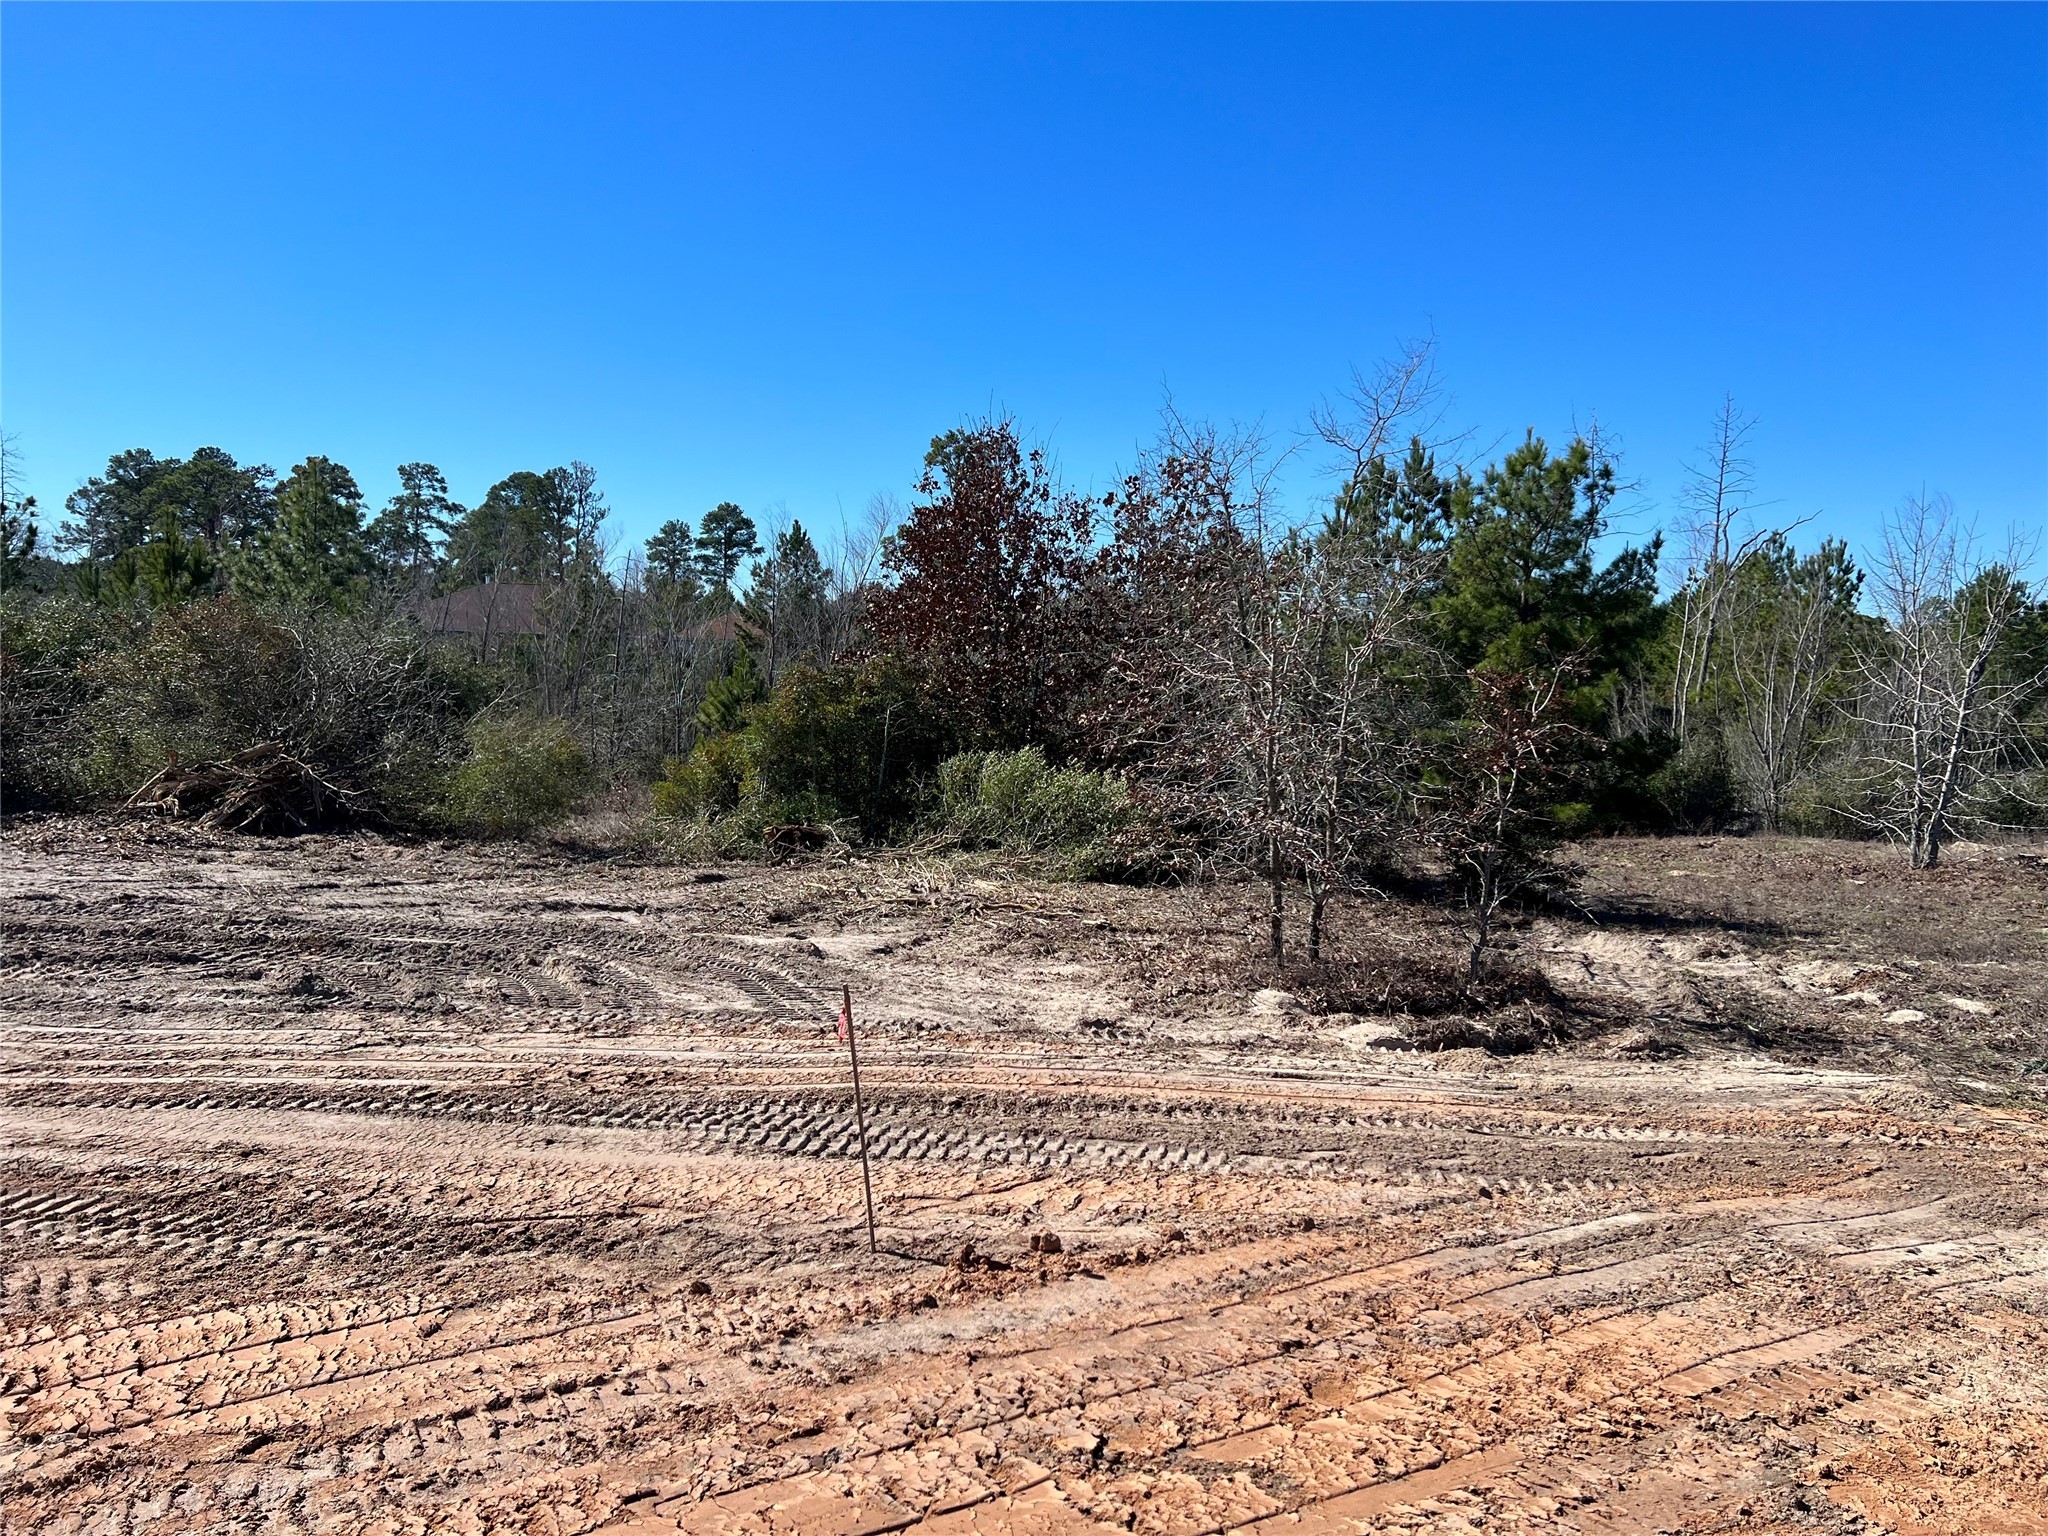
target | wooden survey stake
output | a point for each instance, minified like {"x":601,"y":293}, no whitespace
{"x":860,"y":1119}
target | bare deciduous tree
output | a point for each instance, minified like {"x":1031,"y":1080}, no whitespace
{"x":1349,"y":769}
{"x":18,"y":532}
{"x":1491,"y":819}
{"x":1258,"y":670}
{"x":1398,"y":398}
{"x":1714,"y":503}
{"x":1789,"y":631}
{"x":1202,"y":660}
{"x":1944,"y":726}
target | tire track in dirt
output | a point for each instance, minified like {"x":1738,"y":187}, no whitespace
{"x":453,"y":1190}
{"x":1767,"y":1351}
{"x":1484,"y":1373}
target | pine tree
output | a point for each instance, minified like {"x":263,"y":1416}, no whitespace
{"x":728,"y":700}
{"x":1521,"y":588}
{"x":790,"y":585}
{"x":169,"y":570}
{"x":19,"y":535}
{"x":405,"y":537}
{"x":1412,"y":508}
{"x":787,"y":600}
{"x":221,"y":504}
{"x":725,"y":541}
{"x":315,"y":555}
{"x":671,"y":559}
{"x":115,"y":511}
{"x":578,"y":511}
{"x":505,"y":536}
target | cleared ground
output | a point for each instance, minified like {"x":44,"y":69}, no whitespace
{"x":352,"y":1186}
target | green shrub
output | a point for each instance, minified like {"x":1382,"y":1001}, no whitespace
{"x":712,"y":781}
{"x":207,"y":680}
{"x":731,"y":698}
{"x":1011,"y":783}
{"x":847,"y":744}
{"x":53,"y":655}
{"x":1019,"y":800}
{"x":1076,"y":808}
{"x":855,"y":740}
{"x":2020,"y":803}
{"x":95,"y":700}
{"x":958,"y":782}
{"x":1826,"y":801}
{"x":1696,"y":788}
{"x":697,"y":839}
{"x":520,"y":775}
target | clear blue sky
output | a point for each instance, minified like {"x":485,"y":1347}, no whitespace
{"x":764,"y":254}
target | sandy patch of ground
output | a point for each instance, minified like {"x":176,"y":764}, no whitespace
{"x":359,"y":1187}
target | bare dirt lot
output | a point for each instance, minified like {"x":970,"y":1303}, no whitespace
{"x":357,"y":1186}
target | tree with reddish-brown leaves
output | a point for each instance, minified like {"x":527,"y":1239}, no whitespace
{"x":1252,"y":674}
{"x":981,"y":567}
{"x":1492,"y":815}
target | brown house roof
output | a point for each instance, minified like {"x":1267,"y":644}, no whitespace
{"x":494,"y":609}
{"x":728,"y":626}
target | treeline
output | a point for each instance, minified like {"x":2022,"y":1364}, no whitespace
{"x":155,"y":532}
{"x":497,"y":661}
{"x":1442,"y":660}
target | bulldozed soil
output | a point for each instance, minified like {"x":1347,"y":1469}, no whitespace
{"x":360,"y":1186}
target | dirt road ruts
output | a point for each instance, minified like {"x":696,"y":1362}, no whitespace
{"x":350,"y":1186}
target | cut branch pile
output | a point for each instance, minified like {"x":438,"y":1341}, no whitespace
{"x":263,"y":788}
{"x":786,"y":842}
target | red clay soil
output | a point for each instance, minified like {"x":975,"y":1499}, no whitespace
{"x":357,"y":1187}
